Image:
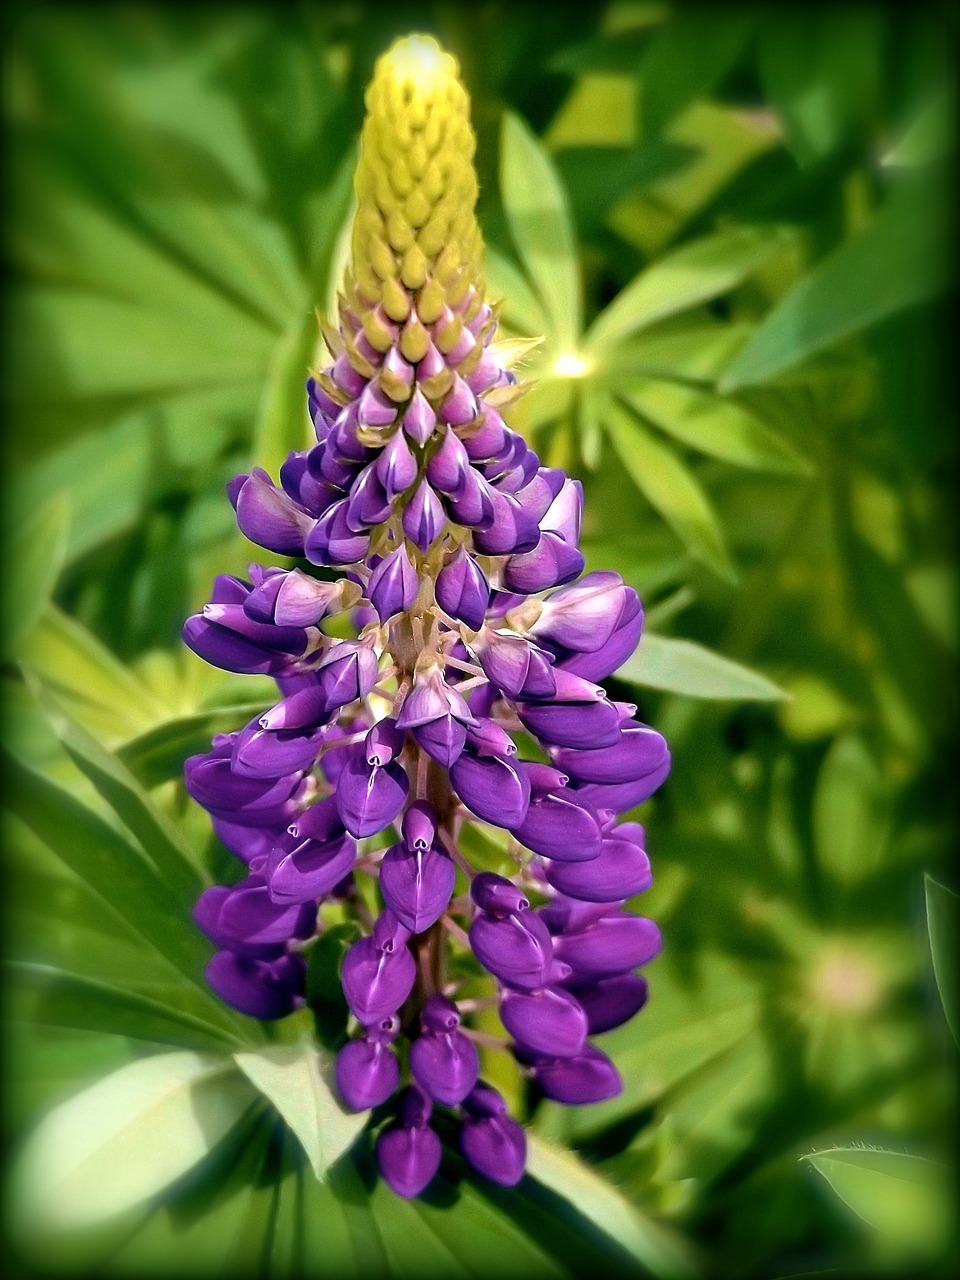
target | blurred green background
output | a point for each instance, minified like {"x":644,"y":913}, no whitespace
{"x":733,"y":226}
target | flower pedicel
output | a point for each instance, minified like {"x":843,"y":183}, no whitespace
{"x":458,"y":551}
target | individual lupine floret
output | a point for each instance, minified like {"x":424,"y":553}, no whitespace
{"x":457,"y":555}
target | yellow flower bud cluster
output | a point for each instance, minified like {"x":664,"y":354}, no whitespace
{"x":415,"y":275}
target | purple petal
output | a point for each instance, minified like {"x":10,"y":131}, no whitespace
{"x":613,"y":944}
{"x":516,"y":949}
{"x":491,"y":788}
{"x":589,"y":1077}
{"x":559,"y":826}
{"x":549,"y":1022}
{"x":375,"y":982}
{"x":423,"y":516}
{"x":612,"y":1001}
{"x":621,"y":870}
{"x":369,"y":797}
{"x":270,"y":518}
{"x":419,"y":420}
{"x":496,"y":1147}
{"x":416,"y":886}
{"x":367,"y":1073}
{"x":552,"y":561}
{"x":445,"y":1066}
{"x":572,"y":724}
{"x":258,"y":988}
{"x":309,"y":871}
{"x":393,"y":584}
{"x":639,"y":752}
{"x":408,"y":1159}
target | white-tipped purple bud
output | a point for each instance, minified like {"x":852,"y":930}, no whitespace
{"x":423,"y":516}
{"x":462,"y":590}
{"x":396,"y":466}
{"x":393,"y":585}
{"x":419,"y":419}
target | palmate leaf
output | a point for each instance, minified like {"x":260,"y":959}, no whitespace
{"x":695,"y":273}
{"x":297,"y":1080}
{"x":670,"y":488}
{"x":720,"y":428}
{"x":116,"y":869}
{"x":157,"y":756}
{"x":681,"y":666}
{"x":63,"y":999}
{"x":894,"y":263}
{"x":541,"y":227}
{"x":125,"y":795}
{"x":904,"y":1197}
{"x":103,"y":694}
{"x":127,"y":1137}
{"x":589,"y":1194}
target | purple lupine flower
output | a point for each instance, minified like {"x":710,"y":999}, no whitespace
{"x":431,"y":527}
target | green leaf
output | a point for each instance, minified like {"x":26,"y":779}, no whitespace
{"x":693,"y":274}
{"x":522,"y":309}
{"x":847,"y":827}
{"x":929,"y":136}
{"x":35,"y":556}
{"x":103,"y":346}
{"x":894,"y":263}
{"x":942,"y":915}
{"x":904,"y":1197}
{"x":713,"y":426}
{"x":282,"y":420}
{"x":587,"y":1193}
{"x":89,"y":1004}
{"x":681,"y":666}
{"x":157,"y":756}
{"x":690,"y":55}
{"x":127,"y":1137}
{"x":297,"y":1078}
{"x":670,"y":488}
{"x":538,"y":215}
{"x":122,"y":791}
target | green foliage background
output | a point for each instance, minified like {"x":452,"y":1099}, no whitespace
{"x":732,"y":226}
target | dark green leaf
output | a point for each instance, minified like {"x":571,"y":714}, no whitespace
{"x":942,"y":916}
{"x":896,"y":262}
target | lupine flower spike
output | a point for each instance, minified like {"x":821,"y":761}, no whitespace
{"x":458,"y":557}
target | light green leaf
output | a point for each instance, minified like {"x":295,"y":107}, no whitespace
{"x":693,"y":274}
{"x":713,"y":426}
{"x":670,"y":488}
{"x":35,"y":557}
{"x":653,"y":1245}
{"x":297,"y":1080}
{"x":123,"y":792}
{"x":538,"y":214}
{"x":942,"y":916}
{"x":904,"y":1197}
{"x":681,"y":666}
{"x":847,"y":825}
{"x":896,"y":262}
{"x":127,"y":1137}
